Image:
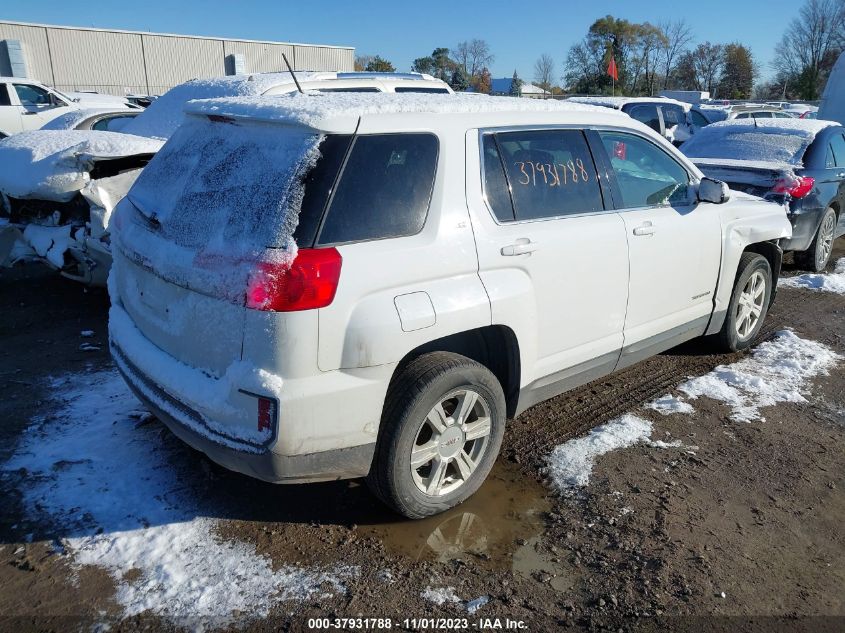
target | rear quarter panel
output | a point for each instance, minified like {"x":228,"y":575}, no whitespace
{"x":362,"y":326}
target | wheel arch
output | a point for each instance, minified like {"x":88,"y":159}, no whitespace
{"x":774,"y":255}
{"x":494,"y":346}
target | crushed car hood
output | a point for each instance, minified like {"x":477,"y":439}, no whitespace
{"x":55,"y":165}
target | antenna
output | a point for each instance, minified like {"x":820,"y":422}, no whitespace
{"x":290,"y":68}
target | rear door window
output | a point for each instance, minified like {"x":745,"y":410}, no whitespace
{"x":698,"y":119}
{"x":4,"y":96}
{"x":837,"y":146}
{"x":384,"y":190}
{"x":496,"y":190}
{"x":673,"y":115}
{"x":645,"y":113}
{"x":646,"y":175}
{"x":550,"y":173}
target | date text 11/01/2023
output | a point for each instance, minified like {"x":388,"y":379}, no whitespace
{"x":416,"y":624}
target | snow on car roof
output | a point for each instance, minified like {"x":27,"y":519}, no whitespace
{"x":618,"y":102}
{"x":49,"y":164}
{"x":314,"y":109}
{"x":69,"y":120}
{"x":782,"y":141}
{"x":164,"y":114}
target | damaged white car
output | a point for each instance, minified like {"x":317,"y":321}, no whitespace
{"x":58,"y":188}
{"x":58,"y":191}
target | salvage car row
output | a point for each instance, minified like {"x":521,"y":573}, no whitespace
{"x":335,"y":284}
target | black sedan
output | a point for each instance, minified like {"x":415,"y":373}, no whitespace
{"x":799,"y":161}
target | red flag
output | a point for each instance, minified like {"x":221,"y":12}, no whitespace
{"x":612,"y":70}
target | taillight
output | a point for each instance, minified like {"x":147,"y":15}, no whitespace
{"x":797,"y":187}
{"x":309,"y":282}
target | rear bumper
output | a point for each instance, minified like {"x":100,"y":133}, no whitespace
{"x":261,"y":463}
{"x":804,"y":223}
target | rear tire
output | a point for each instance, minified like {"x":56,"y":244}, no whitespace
{"x":749,"y":303}
{"x":441,"y":431}
{"x":817,"y":256}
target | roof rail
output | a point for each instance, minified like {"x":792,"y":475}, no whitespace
{"x":362,"y":74}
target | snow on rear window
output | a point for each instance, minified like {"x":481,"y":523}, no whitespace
{"x":218,"y":195}
{"x":747,"y":141}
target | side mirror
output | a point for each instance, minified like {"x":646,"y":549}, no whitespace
{"x":715,"y":191}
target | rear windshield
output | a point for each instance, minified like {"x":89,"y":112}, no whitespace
{"x":219,"y":187}
{"x":748,"y":143}
{"x":222,"y":194}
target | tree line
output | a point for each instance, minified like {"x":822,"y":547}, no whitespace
{"x":653,"y":57}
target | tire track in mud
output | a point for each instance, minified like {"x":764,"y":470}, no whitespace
{"x":531,"y":437}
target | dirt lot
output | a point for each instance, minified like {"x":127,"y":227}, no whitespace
{"x":738,"y":528}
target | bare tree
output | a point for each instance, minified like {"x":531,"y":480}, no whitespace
{"x":678,"y":34}
{"x":707,"y":62}
{"x":811,"y":43}
{"x":362,"y":61}
{"x":645,"y":51}
{"x":544,"y":70}
{"x":473,"y":55}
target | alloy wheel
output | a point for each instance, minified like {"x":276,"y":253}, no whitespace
{"x":450,"y":442}
{"x":749,"y":307}
{"x":825,"y":240}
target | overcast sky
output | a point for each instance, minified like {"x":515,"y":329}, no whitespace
{"x":518,"y":32}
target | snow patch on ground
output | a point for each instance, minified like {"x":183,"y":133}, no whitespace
{"x":113,"y":489}
{"x":668,"y":404}
{"x":440,"y":596}
{"x":826,"y":282}
{"x":777,"y":371}
{"x":571,"y":464}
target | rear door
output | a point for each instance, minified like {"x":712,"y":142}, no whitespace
{"x":553,"y":259}
{"x":676,"y":125}
{"x":837,"y":151}
{"x":674,"y":241}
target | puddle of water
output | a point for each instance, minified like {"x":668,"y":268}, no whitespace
{"x":530,"y":561}
{"x":488,"y":527}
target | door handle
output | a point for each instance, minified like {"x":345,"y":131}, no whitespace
{"x":522,"y":246}
{"x":646,"y":228}
{"x":29,"y":112}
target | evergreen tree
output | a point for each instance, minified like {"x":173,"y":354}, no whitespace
{"x":379,"y":65}
{"x":459,"y":80}
{"x":738,"y":73}
{"x":516,"y":85}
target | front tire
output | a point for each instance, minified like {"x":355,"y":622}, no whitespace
{"x":441,"y":431}
{"x":817,"y":256}
{"x":749,"y":303}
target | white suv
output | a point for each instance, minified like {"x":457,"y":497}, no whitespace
{"x":329,"y":286}
{"x":28,"y":105}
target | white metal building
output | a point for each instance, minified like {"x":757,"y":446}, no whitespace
{"x":124,"y":62}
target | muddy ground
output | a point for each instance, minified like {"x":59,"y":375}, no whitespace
{"x":744,"y":534}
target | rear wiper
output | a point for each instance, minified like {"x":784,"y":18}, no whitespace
{"x":151,"y":218}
